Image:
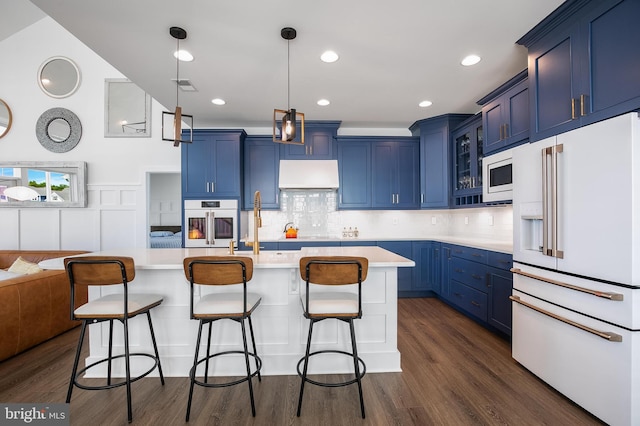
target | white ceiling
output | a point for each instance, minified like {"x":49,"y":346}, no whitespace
{"x":392,"y":54}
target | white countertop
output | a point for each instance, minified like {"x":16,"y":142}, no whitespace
{"x":480,"y":243}
{"x":172,"y":258}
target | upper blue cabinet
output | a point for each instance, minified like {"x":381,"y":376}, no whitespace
{"x":468,"y":151}
{"x":435,"y":158}
{"x":211,"y":165}
{"x":261,"y":166}
{"x":505,"y":115}
{"x":583,"y":65}
{"x":354,"y":172}
{"x":319,"y":142}
{"x":395,"y":171}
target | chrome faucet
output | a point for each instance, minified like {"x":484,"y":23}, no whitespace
{"x":257,"y":223}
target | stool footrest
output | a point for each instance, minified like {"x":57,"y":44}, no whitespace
{"x":114,"y":385}
{"x":222,"y":385}
{"x":363,"y":370}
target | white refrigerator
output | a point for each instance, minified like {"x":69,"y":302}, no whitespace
{"x":576,"y":252}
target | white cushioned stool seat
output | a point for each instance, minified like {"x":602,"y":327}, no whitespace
{"x":225,"y":304}
{"x":112,"y":305}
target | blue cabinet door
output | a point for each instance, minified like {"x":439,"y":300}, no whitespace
{"x":435,"y":159}
{"x":319,"y":142}
{"x":612,"y":58}
{"x":404,"y":249}
{"x":505,"y":115}
{"x":554,"y":69}
{"x":354,"y":164}
{"x":499,"y":312}
{"x":426,"y":274}
{"x":211,"y":165}
{"x":384,"y":170}
{"x":261,"y":166}
{"x":395,"y":167}
{"x":408,"y":173}
{"x":197,"y":158}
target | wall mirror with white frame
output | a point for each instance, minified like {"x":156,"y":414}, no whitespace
{"x":127,"y":109}
{"x":43,"y":184}
{"x":59,"y":77}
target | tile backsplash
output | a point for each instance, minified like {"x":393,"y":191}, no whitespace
{"x":315,"y":214}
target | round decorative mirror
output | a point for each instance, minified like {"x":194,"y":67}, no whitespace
{"x":59,"y":77}
{"x":5,"y":118}
{"x":58,"y":130}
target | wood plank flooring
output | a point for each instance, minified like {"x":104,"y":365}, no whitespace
{"x":455,"y":372}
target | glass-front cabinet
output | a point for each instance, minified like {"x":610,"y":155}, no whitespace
{"x":467,"y":158}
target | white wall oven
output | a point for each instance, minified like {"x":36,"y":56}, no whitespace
{"x":497,"y":177}
{"x":210,"y":223}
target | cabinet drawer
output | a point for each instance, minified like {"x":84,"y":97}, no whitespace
{"x":469,"y":299}
{"x":477,"y":255}
{"x":500,"y":260}
{"x":470,"y":273}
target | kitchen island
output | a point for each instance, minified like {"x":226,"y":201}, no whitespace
{"x":279,"y":325}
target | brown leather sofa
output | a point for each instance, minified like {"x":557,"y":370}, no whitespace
{"x":34,"y":308}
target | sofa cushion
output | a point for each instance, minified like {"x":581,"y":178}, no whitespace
{"x":21,"y":266}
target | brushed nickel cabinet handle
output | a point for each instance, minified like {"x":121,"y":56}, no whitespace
{"x":582,"y":102}
{"x":474,"y":303}
{"x":603,"y":294}
{"x":506,"y":130}
{"x":476,"y":277}
{"x":612,"y":337}
{"x":573,"y":109}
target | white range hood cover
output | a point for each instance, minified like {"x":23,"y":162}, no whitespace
{"x":309,"y":174}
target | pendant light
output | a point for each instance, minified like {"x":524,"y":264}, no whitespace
{"x":288,"y":119}
{"x":172,"y":121}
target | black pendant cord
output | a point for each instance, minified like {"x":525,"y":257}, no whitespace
{"x":177,"y":70}
{"x":288,"y":78}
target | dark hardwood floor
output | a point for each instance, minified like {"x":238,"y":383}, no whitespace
{"x":455,"y":372}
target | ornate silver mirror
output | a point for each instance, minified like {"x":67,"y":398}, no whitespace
{"x":58,"y":130}
{"x":59,"y":77}
{"x":5,"y":118}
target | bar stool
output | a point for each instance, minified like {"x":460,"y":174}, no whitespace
{"x":236,"y":306}
{"x":341,"y":305}
{"x":106,"y":271}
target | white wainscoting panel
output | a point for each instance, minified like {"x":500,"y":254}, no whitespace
{"x":39,"y":229}
{"x":79,"y":229}
{"x":9,"y":230}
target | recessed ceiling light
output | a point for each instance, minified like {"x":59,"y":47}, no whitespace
{"x":218,"y":101}
{"x":470,"y":60}
{"x":183,"y":55}
{"x":323,"y":102}
{"x":425,"y":104}
{"x":329,"y":56}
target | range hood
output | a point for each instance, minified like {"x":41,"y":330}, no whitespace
{"x":309,"y":174}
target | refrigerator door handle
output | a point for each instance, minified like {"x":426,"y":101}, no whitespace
{"x":604,"y":294}
{"x":555,"y":252}
{"x":545,"y":202}
{"x":612,"y":337}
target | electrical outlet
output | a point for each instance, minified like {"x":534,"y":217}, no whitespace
{"x":395,"y":220}
{"x":466,"y":220}
{"x":433,"y":220}
{"x":490,"y":220}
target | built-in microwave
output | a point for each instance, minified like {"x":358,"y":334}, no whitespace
{"x":497,"y":177}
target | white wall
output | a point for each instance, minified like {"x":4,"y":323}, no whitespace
{"x":117,"y":167}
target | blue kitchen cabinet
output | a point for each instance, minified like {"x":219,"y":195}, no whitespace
{"x":354,"y":171}
{"x":505,"y":115}
{"x":319,"y":142}
{"x":426,"y":274}
{"x":261,"y":166}
{"x":583,"y":62}
{"x":212,"y":165}
{"x":467,"y":162}
{"x":405,"y":275}
{"x":478,"y":283}
{"x":435,"y":158}
{"x":395,"y":172}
